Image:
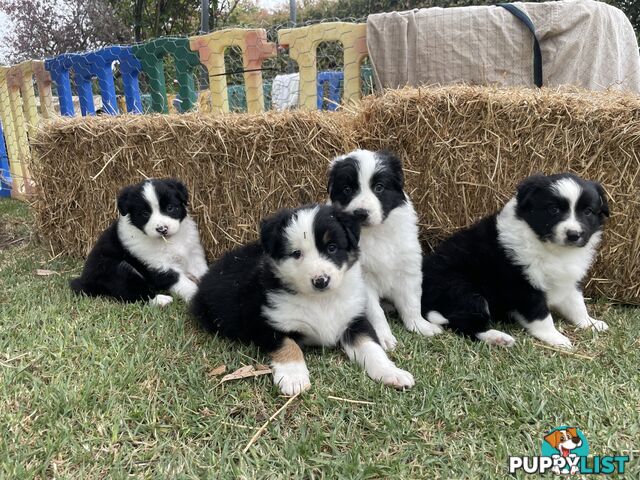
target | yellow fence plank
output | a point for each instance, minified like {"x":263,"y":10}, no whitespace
{"x":303,"y":45}
{"x":255,"y":49}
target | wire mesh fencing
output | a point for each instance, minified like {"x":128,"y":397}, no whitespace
{"x":322,"y":65}
{"x":249,"y":69}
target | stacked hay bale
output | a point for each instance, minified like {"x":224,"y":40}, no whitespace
{"x":466,"y":148}
{"x":237,"y":167}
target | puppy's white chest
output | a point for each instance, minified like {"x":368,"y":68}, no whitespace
{"x":322,"y":318}
{"x":391,"y":250}
{"x":159,"y":253}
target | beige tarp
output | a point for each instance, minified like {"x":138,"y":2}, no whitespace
{"x":585,"y":43}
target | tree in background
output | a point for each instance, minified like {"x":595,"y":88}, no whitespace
{"x":321,"y":9}
{"x":44,"y":28}
{"x":156,"y":18}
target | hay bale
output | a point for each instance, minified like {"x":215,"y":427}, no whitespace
{"x":238,"y":168}
{"x":465,"y":149}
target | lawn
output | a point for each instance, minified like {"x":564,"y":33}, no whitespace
{"x":92,"y":388}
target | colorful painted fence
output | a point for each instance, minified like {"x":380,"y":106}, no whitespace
{"x":68,"y":84}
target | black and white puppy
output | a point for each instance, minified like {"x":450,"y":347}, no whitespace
{"x":520,"y":263}
{"x":153,"y":247}
{"x":300,"y":285}
{"x":371,"y":186}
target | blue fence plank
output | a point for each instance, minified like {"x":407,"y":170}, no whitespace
{"x":333,"y":81}
{"x":96,"y":64}
{"x":59,"y":68}
{"x":5,"y":173}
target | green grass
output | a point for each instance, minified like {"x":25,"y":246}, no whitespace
{"x":93,"y":388}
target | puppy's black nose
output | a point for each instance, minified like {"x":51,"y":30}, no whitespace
{"x":162,"y":230}
{"x":573,"y":235}
{"x":361,"y":214}
{"x":320,"y":283}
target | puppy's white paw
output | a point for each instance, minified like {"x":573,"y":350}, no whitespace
{"x":595,"y":325}
{"x":161,"y":300}
{"x":397,"y":378}
{"x":437,"y":318}
{"x":387,"y":340}
{"x":557,"y":340}
{"x":423,"y":327}
{"x":496,"y":337}
{"x":291,"y":378}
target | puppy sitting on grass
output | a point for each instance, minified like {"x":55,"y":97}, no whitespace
{"x":154,"y":246}
{"x":521,"y":263}
{"x":300,"y":285}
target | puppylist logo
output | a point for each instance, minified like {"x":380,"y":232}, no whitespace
{"x":565,"y":451}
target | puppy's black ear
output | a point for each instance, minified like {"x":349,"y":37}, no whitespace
{"x":331,"y":175}
{"x":604,"y":205}
{"x":335,"y":169}
{"x":351,"y":226}
{"x":394,"y":164}
{"x":528,"y":187}
{"x":182,"y":192}
{"x":123,"y":200}
{"x":271,"y":231}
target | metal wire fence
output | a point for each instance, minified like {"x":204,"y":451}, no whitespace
{"x":320,"y":65}
{"x":180,"y":74}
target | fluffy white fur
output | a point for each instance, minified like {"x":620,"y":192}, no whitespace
{"x":291,"y":377}
{"x":321,"y":317}
{"x":569,"y":189}
{"x":371,"y":356}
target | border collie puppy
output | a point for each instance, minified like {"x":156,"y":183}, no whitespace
{"x":300,"y":285}
{"x":521,"y":263}
{"x":154,"y":246}
{"x":370,"y":185}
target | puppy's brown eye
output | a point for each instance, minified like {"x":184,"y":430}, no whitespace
{"x":332,"y":248}
{"x":346,"y":190}
{"x":553,"y":210}
{"x":378,"y":187}
{"x":296,"y":254}
{"x":170,"y":208}
{"x":588,"y":211}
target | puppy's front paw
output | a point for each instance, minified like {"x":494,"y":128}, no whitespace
{"x":293,"y":384}
{"x":557,"y":340}
{"x":387,"y":340}
{"x":437,"y":318}
{"x":596,"y":325}
{"x":423,"y":327}
{"x":397,"y":378}
{"x":161,"y":300}
{"x":496,"y":337}
{"x":291,"y":378}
